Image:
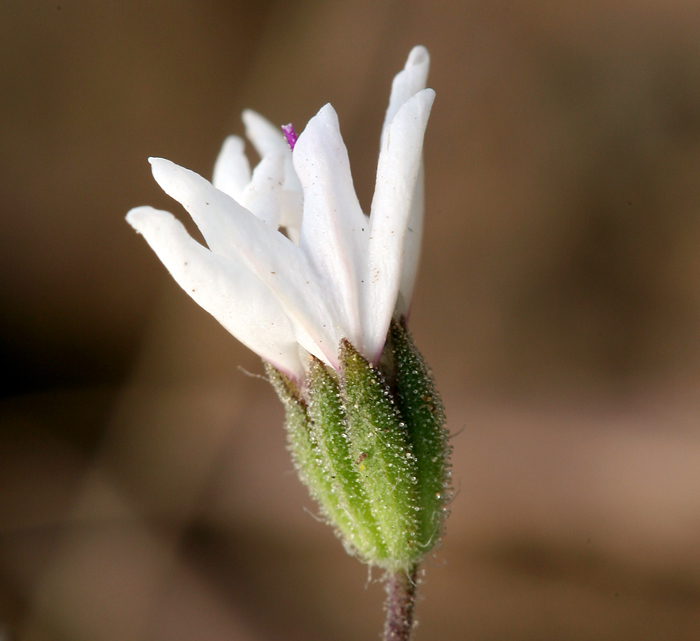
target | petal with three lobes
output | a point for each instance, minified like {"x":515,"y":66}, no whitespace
{"x":334,"y":230}
{"x":232,"y":169}
{"x":235,"y":233}
{"x":225,"y":288}
{"x":398,"y":170}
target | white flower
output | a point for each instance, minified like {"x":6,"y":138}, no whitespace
{"x":336,"y":273}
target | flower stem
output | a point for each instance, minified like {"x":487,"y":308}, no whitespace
{"x":401,"y":597}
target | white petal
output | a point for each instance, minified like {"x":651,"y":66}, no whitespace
{"x":262,"y":194}
{"x":186,"y":187}
{"x":233,"y":232}
{"x":267,"y":138}
{"x":334,"y":230}
{"x":291,"y":208}
{"x":411,"y":248}
{"x":232,"y":169}
{"x":408,"y":82}
{"x":262,"y":133}
{"x":224,"y":288}
{"x":291,"y":200}
{"x":397,"y":173}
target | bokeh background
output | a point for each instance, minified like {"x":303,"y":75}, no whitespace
{"x":145,"y":490}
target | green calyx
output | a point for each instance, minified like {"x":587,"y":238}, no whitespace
{"x":370,"y":444}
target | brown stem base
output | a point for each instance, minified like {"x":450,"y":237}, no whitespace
{"x":401,"y":598}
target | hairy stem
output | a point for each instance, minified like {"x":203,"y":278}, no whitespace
{"x":401,"y":598}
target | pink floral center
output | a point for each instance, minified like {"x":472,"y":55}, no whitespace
{"x":290,"y":135}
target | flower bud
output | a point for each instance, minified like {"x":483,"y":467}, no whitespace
{"x":370,"y":444}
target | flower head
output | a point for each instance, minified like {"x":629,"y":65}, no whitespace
{"x":296,"y":271}
{"x":293,"y":265}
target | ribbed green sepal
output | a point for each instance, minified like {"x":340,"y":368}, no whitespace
{"x":305,"y":451}
{"x":381,"y":447}
{"x":330,"y":434}
{"x":421,"y":409}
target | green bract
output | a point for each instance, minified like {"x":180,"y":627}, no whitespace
{"x":370,"y":444}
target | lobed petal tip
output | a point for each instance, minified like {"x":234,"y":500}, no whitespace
{"x":419,"y":55}
{"x":249,"y":115}
{"x":255,"y":124}
{"x":326,"y":112}
{"x":428,"y":95}
{"x":145,"y":217}
{"x":169,"y":175}
{"x":135,"y":216}
{"x":159,"y":166}
{"x":233,"y":143}
{"x":156,"y":161}
{"x":326,"y":116}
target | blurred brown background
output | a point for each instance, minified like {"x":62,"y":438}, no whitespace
{"x":145,"y":490}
